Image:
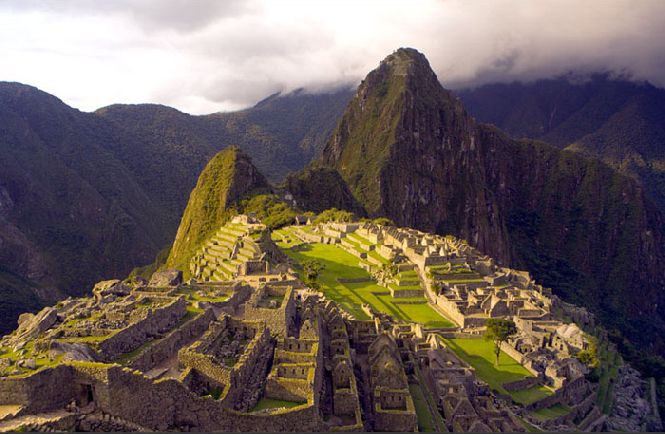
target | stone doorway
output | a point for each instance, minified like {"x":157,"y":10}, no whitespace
{"x":86,"y":394}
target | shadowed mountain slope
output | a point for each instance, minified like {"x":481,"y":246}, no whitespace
{"x":408,"y":150}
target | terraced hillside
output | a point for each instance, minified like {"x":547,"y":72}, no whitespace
{"x":220,"y":256}
{"x":350,"y":257}
{"x":346,"y":279}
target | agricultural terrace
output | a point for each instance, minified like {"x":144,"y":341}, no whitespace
{"x":350,"y":296}
{"x":479,"y":353}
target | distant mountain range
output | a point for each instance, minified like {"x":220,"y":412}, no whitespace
{"x":87,"y":196}
{"x":618,"y":121}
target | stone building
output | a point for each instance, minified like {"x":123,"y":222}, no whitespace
{"x":392,"y":403}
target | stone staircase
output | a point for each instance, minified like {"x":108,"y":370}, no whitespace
{"x":44,"y":422}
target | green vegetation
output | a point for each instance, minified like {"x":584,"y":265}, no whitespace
{"x":285,"y":238}
{"x":42,"y":360}
{"x":311,"y":270}
{"x":425,"y":422}
{"x":607,"y":372}
{"x":383,"y":221}
{"x":227,"y":177}
{"x":551,"y":412}
{"x":273,"y":212}
{"x":216,"y":392}
{"x":191,"y":310}
{"x":429,"y":418}
{"x":499,"y":331}
{"x":365,"y":136}
{"x":147,"y":270}
{"x":267,"y":403}
{"x":125,"y":358}
{"x":350,"y":296}
{"x":17,"y":297}
{"x":335,"y":215}
{"x":318,"y":188}
{"x":479,"y":353}
{"x":590,"y":356}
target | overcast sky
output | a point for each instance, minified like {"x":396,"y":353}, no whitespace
{"x":212,"y":55}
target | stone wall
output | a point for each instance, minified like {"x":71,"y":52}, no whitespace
{"x":572,"y":393}
{"x":394,"y":420}
{"x":278,"y":320}
{"x":240,"y":295}
{"x":171,"y":344}
{"x":450,"y":310}
{"x":164,"y":404}
{"x":406,"y":293}
{"x":512,"y":352}
{"x":134,"y":335}
{"x":231,"y":377}
{"x":291,"y":389}
{"x":522,"y":384}
{"x":167,"y":404}
{"x":42,"y":391}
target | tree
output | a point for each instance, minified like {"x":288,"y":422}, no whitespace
{"x":311,"y":270}
{"x":335,"y":215}
{"x":499,"y":331}
{"x":383,"y":221}
{"x":589,"y":356}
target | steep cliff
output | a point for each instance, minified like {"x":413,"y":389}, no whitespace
{"x":409,"y":151}
{"x":228,"y":177}
{"x":618,"y":121}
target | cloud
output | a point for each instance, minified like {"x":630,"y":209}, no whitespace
{"x":207,"y":55}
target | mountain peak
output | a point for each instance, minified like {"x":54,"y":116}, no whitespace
{"x":399,"y":108}
{"x":228,"y":177}
{"x":408,"y":66}
{"x":407,"y":60}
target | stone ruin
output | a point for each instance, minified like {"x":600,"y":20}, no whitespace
{"x":245,"y":346}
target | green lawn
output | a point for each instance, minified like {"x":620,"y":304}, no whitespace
{"x":266,"y":403}
{"x":479,"y":353}
{"x":339,"y":263}
{"x":286,"y":237}
{"x":425,"y":422}
{"x":428,"y":420}
{"x":609,"y":370}
{"x":551,"y":412}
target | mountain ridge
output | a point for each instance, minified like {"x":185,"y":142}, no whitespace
{"x":104,"y":191}
{"x":580,"y":226}
{"x":617,"y":121}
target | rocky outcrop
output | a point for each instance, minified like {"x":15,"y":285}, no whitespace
{"x":31,"y":325}
{"x":110,"y":287}
{"x":631,"y":409}
{"x":72,"y":351}
{"x":164,"y":278}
